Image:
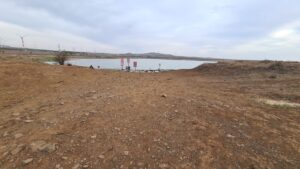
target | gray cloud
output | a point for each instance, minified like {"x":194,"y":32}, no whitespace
{"x":223,"y":28}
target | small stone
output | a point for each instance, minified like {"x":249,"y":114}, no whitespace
{"x":163,"y":165}
{"x":126,"y":153}
{"x":140,"y":164}
{"x":93,"y":111}
{"x":5,"y":134}
{"x":76,"y":166}
{"x":230,"y":136}
{"x":62,"y":103}
{"x":17,"y":149}
{"x":93,"y":136}
{"x":164,"y":95}
{"x":16,"y":114}
{"x":18,"y":135}
{"x":64,"y":157}
{"x":101,"y":156}
{"x":27,"y":161}
{"x":4,"y":154}
{"x":85,"y":166}
{"x":28,"y":121}
{"x":42,"y":146}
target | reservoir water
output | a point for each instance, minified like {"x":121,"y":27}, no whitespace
{"x":142,"y":64}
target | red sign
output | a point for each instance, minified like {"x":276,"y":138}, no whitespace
{"x":122,"y":61}
{"x":135,"y":64}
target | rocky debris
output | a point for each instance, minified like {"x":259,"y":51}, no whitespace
{"x":85,"y":166}
{"x":164,"y":95}
{"x":18,"y":149}
{"x":42,"y":146}
{"x":64,"y":157}
{"x":27,"y":161}
{"x":18,"y":135}
{"x":93,"y":136}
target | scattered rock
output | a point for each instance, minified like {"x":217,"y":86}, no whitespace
{"x":140,"y":164}
{"x":93,"y":111}
{"x":58,"y":166}
{"x":42,"y":146}
{"x":164,"y":95}
{"x":18,"y":135}
{"x":18,"y":149}
{"x":230,"y":136}
{"x":64,"y":157}
{"x":4,"y":154}
{"x":5,"y":134}
{"x":27,"y":161}
{"x":163,"y":165}
{"x":126,"y":153}
{"x":16,"y":114}
{"x":85,"y":166}
{"x":93,"y":136}
{"x":101,"y":156}
{"x":28,"y":121}
{"x":76,"y":166}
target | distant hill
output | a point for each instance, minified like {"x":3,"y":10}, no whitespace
{"x":152,"y":55}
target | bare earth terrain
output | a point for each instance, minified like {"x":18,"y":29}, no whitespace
{"x":238,"y":115}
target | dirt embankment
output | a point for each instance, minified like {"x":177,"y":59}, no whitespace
{"x":211,"y":117}
{"x":250,"y":67}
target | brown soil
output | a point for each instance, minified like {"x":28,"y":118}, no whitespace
{"x":209,"y":117}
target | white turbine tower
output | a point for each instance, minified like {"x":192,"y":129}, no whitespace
{"x":22,"y":40}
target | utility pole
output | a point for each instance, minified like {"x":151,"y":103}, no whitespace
{"x":58,"y":47}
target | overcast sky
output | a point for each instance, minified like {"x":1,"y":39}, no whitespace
{"x":239,"y":29}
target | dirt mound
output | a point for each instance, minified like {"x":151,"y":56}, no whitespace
{"x":247,"y":67}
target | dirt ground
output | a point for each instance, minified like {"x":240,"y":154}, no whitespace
{"x":68,"y":117}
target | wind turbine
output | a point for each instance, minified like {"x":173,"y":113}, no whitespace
{"x":22,"y":39}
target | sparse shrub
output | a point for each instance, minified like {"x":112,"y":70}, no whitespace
{"x":278,"y":66}
{"x":61,"y":57}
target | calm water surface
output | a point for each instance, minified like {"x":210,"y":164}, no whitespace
{"x":142,"y":64}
